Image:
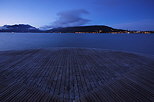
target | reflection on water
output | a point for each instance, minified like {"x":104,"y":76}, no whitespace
{"x":142,"y":43}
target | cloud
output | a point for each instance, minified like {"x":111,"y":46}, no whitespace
{"x":70,"y":18}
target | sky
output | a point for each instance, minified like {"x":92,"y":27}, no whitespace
{"x":124,"y":14}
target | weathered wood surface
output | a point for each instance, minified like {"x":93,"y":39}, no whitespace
{"x":75,"y":75}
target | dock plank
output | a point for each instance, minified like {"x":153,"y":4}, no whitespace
{"x":75,"y":75}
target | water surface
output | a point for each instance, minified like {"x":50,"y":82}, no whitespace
{"x":140,"y":43}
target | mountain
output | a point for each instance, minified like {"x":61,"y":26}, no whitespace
{"x":78,"y":29}
{"x":18,"y":28}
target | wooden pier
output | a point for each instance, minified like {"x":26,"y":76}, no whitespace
{"x":75,"y":75}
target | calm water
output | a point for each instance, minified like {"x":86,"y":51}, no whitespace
{"x":140,"y":43}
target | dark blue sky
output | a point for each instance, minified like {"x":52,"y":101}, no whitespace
{"x":126,"y":14}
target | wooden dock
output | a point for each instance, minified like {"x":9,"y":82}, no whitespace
{"x":75,"y":75}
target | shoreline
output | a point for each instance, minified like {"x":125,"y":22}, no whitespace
{"x":75,"y":33}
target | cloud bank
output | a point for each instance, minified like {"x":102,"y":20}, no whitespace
{"x":69,"y":18}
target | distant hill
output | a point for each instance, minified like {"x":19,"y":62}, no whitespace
{"x":78,"y":29}
{"x":18,"y":28}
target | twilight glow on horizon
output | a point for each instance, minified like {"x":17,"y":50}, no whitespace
{"x":124,"y":14}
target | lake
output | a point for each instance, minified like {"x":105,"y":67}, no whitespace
{"x":138,"y":43}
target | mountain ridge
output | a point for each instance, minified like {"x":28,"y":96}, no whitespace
{"x":18,"y":28}
{"x":91,"y":28}
{"x":76,"y":29}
